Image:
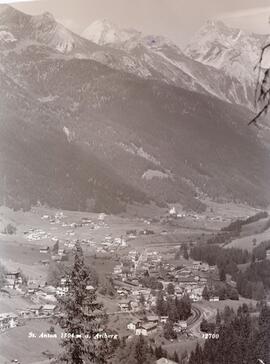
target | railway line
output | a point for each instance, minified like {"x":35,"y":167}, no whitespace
{"x":197,"y":313}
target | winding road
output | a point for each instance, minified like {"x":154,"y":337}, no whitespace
{"x":196,"y":316}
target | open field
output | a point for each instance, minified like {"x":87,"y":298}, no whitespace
{"x":18,"y":251}
{"x":222,"y":304}
{"x":15,"y":343}
{"x":229,"y":210}
{"x":14,"y":303}
{"x":247,"y":241}
{"x":254,"y":228}
{"x":183,"y":346}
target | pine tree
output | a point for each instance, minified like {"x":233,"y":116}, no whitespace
{"x":205,"y":293}
{"x":168,"y":330}
{"x":172,"y":310}
{"x":184,"y":307}
{"x":222,"y":274}
{"x":142,"y":299}
{"x":55,"y":248}
{"x":218,"y":318}
{"x":263,"y":337}
{"x":184,"y":357}
{"x":158,"y":352}
{"x":185,"y":251}
{"x":81,"y":318}
{"x":175,"y":357}
{"x":160,"y":304}
{"x":170,"y":288}
{"x":142,"y":352}
{"x":198,"y":355}
{"x":209,"y":351}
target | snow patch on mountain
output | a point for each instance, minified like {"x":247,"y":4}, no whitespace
{"x":7,"y":37}
{"x":48,"y":98}
{"x":139,"y":151}
{"x":232,"y":50}
{"x":69,"y":134}
{"x":104,"y":32}
{"x":150,"y":174}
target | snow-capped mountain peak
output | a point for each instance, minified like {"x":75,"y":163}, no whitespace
{"x":104,"y":32}
{"x":233,"y":50}
{"x":7,"y":37}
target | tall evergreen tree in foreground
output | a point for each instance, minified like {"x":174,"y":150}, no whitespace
{"x":81,"y":318}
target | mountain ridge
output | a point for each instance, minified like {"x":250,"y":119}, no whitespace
{"x":76,"y":133}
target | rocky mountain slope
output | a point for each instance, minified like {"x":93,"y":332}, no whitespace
{"x":215,"y":49}
{"x":77,"y":134}
{"x":233,"y":51}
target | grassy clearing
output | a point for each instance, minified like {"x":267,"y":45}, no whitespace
{"x":247,"y":241}
{"x":222,"y":304}
{"x":15,"y":343}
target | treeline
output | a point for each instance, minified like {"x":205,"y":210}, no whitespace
{"x":227,"y":258}
{"x":233,"y":230}
{"x":242,"y":339}
{"x":140,"y":350}
{"x":3,"y":272}
{"x":151,"y":282}
{"x":254,"y":282}
{"x":223,"y":292}
{"x":236,"y":225}
{"x":221,"y":238}
{"x":259,"y":252}
{"x":176,"y":309}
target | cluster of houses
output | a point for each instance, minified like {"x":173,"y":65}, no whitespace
{"x":60,"y":218}
{"x":43,"y":297}
{"x":10,"y":320}
{"x":37,"y":291}
{"x":13,"y":280}
{"x":135,"y":263}
{"x":41,"y":292}
{"x":111,"y":244}
{"x":189,"y":281}
{"x":144,"y":327}
{"x":151,"y":324}
{"x":36,"y":234}
{"x":38,"y":311}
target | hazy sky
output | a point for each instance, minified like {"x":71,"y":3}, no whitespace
{"x":176,"y":19}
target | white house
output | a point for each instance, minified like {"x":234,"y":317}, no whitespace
{"x":165,"y":361}
{"x":152,"y":319}
{"x":180,"y":326}
{"x":8,"y":321}
{"x":44,"y":250}
{"x":48,"y":310}
{"x":146,"y":329}
{"x":125,"y":306}
{"x":164,"y":319}
{"x":214,"y":299}
{"x":173,"y":211}
{"x":134,"y":325}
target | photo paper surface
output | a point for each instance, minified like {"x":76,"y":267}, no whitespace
{"x":134,"y":182}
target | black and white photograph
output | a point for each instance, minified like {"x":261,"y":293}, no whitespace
{"x":135,"y":182}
